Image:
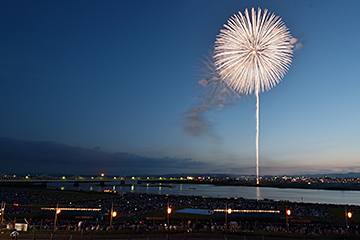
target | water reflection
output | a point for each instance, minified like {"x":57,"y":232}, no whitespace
{"x":259,"y":193}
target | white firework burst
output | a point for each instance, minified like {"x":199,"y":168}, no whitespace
{"x":253,"y":53}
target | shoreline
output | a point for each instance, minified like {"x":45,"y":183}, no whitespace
{"x":167,"y":184}
{"x":319,"y":186}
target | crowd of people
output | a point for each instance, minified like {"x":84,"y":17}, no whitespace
{"x":136,"y":206}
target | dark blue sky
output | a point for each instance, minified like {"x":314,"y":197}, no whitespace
{"x":115,"y":79}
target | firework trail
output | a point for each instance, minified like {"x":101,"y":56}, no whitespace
{"x":252,"y":54}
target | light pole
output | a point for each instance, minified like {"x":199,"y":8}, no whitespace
{"x":168,"y":216}
{"x":57,"y":211}
{"x":112,"y":214}
{"x":2,"y":214}
{"x":347,"y":216}
{"x":287,"y":215}
{"x":227,"y":211}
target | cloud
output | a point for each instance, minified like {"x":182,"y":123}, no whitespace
{"x":298,"y":44}
{"x":17,"y":157}
{"x":195,"y":123}
{"x":22,"y":157}
{"x":217,"y":96}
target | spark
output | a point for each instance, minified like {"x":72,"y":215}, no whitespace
{"x":252,"y":54}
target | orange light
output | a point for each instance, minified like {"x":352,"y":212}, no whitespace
{"x":114,"y":214}
{"x":16,"y":204}
{"x":102,"y":175}
{"x":288,"y":212}
{"x":229,"y":211}
{"x":169,"y":210}
{"x":58,"y":211}
{"x":349,"y":214}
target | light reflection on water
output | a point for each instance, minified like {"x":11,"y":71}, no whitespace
{"x":259,"y":193}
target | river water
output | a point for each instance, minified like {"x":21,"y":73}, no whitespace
{"x":259,"y":193}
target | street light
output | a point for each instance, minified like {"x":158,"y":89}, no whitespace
{"x":2,"y":212}
{"x":347,"y":216}
{"x":57,"y":211}
{"x":227,"y":211}
{"x":287,"y":213}
{"x":112,"y":214}
{"x":168,"y":215}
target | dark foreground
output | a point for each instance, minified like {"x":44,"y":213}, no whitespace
{"x":143,"y":216}
{"x":165,"y":236}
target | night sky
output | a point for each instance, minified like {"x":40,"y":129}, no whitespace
{"x":108,"y":86}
